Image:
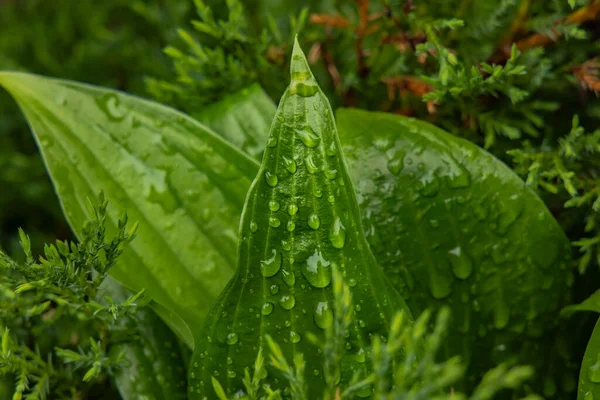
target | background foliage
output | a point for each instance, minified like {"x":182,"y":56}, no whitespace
{"x":518,"y":77}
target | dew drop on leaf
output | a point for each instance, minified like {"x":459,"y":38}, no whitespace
{"x":273,"y":205}
{"x":295,"y":337}
{"x":272,"y":141}
{"x":289,"y":277}
{"x":267,"y":308}
{"x":314,"y":221}
{"x":316,"y":270}
{"x":311,"y":166}
{"x":287,"y":302}
{"x":323,"y":315}
{"x":337,"y":234}
{"x":232,"y":338}
{"x":292,"y":209}
{"x":274,"y":289}
{"x":271,"y":179}
{"x":274,"y":222}
{"x":308,"y":137}
{"x":291,"y":226}
{"x":271,"y":266}
{"x":462,"y":265}
{"x":290,"y":165}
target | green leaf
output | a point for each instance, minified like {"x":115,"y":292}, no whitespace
{"x":181,"y":182}
{"x":452,"y":225}
{"x":300,"y":222}
{"x":589,"y":375}
{"x":592,"y":303}
{"x":153,"y":367}
{"x":243,"y":119}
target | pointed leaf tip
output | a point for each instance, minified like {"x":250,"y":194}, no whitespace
{"x":302,"y":81}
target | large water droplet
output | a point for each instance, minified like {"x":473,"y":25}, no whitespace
{"x":289,"y":277}
{"x":314,"y":221}
{"x":273,"y":205}
{"x":462,"y":265}
{"x":292,"y":209}
{"x":331,"y":150}
{"x":267,"y":308}
{"x":311,"y":166}
{"x":295,"y":337}
{"x":274,"y":222}
{"x":439,"y":285}
{"x":337,"y":234}
{"x":270,"y":266}
{"x":291,"y":226}
{"x":323,"y":315}
{"x":308,"y":137}
{"x":330,"y":173}
{"x":110,"y":105}
{"x":271,"y":179}
{"x":316,"y":270}
{"x":290,"y":165}
{"x":287,"y":302}
{"x":232,"y":338}
{"x":272,"y":141}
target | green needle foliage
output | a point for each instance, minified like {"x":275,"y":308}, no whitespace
{"x":55,"y":333}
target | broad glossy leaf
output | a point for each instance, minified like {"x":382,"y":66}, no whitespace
{"x":243,"y":118}
{"x":451,"y":224}
{"x":589,"y":375}
{"x":183,"y":184}
{"x":300,"y":221}
{"x":153,"y":367}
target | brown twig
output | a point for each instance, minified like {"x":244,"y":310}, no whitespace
{"x":320,"y":50}
{"x":588,"y":75}
{"x":336,"y":21}
{"x":409,"y":84}
{"x":587,"y":13}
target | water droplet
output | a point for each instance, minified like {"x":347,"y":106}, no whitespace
{"x":289,"y":277}
{"x":311,"y":166}
{"x":231,"y":374}
{"x":331,"y":198}
{"x":302,"y":85}
{"x":287,"y":302}
{"x":461,"y":263}
{"x":352,"y":282}
{"x":362,"y":323}
{"x":323,"y":315}
{"x":271,"y":179}
{"x":271,"y":266}
{"x":292,"y":209}
{"x":439,"y":285}
{"x":110,"y":105}
{"x":274,"y":289}
{"x":272,"y":141}
{"x":291,"y":226}
{"x":274,"y":222}
{"x":316,"y":270}
{"x":314,"y":221}
{"x":295,"y":337}
{"x":232,"y":338}
{"x":290,"y":165}
{"x":396,"y":164}
{"x":273,"y":205}
{"x":337,"y":234}
{"x":318,"y":193}
{"x":331,"y":173}
{"x":331,"y":150}
{"x":286,"y":244}
{"x":267,"y":308}
{"x":308,"y":137}
{"x":253,"y":226}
